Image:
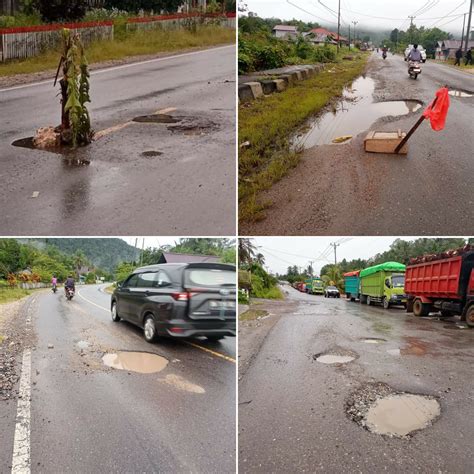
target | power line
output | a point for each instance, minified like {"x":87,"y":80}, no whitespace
{"x":309,"y":13}
{"x":449,"y":13}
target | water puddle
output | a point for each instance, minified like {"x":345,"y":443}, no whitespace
{"x":156,"y":118}
{"x":194,"y":126}
{"x":353,"y":114}
{"x":400,"y":415}
{"x":394,"y":352}
{"x":414,"y":347}
{"x":373,"y":340}
{"x":458,"y":93}
{"x":142,"y":362}
{"x":334,"y":359}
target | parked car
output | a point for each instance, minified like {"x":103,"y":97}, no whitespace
{"x":420,"y":48}
{"x":331,"y":292}
{"x":179,"y":300}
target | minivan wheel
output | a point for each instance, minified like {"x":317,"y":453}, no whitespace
{"x":149,"y":329}
{"x":113,"y":312}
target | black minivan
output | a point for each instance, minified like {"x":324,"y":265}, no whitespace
{"x":179,"y":300}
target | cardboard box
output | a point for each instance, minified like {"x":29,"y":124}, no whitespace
{"x":385,"y":142}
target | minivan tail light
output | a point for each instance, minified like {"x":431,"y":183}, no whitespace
{"x":182,"y":295}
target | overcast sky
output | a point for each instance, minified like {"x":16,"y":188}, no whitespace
{"x":282,"y":252}
{"x":151,"y":241}
{"x":392,"y":13}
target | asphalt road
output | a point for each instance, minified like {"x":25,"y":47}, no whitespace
{"x":187,"y":190}
{"x":292,"y":408}
{"x":85,"y":415}
{"x":341,"y":190}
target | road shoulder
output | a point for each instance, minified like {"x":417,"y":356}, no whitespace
{"x":255,"y":325}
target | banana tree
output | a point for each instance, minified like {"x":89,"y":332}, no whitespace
{"x":75,"y":128}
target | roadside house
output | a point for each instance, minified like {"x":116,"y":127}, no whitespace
{"x":321,"y":36}
{"x":285,"y":31}
{"x":446,"y":49}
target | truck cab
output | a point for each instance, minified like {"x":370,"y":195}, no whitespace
{"x":317,"y":286}
{"x":394,"y":290}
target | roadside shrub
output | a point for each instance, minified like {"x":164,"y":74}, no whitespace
{"x":324,"y":54}
{"x":104,"y":14}
{"x":61,"y":10}
{"x":20,"y":19}
{"x":243,"y":297}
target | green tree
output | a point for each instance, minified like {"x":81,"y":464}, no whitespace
{"x":123,"y":270}
{"x":147,"y":5}
{"x":246,"y":251}
{"x":61,"y":10}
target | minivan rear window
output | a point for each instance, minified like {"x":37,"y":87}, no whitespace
{"x":209,"y":277}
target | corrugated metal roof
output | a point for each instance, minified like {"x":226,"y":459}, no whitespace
{"x":285,"y":28}
{"x":169,"y":257}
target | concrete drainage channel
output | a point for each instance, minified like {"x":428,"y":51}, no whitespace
{"x":274,"y":80}
{"x":384,"y":411}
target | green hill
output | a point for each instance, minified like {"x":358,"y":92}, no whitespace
{"x":103,"y":253}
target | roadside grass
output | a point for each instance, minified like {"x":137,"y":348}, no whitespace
{"x":109,"y":289}
{"x":131,"y":44}
{"x":252,"y":314}
{"x":7,"y":295}
{"x":268,"y":123}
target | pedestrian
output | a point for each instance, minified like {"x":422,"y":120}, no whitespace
{"x":458,"y":57}
{"x":468,"y":57}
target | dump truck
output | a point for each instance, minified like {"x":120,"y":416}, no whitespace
{"x":442,"y":284}
{"x":308,"y":285}
{"x":352,"y":285}
{"x":317,"y":286}
{"x":383,"y":283}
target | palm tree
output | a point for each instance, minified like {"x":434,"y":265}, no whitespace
{"x":260,"y":259}
{"x":246,"y":251}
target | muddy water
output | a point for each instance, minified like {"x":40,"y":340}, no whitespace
{"x":142,"y":362}
{"x":355,"y":113}
{"x":334,"y":359}
{"x":399,"y":415}
{"x":373,"y":340}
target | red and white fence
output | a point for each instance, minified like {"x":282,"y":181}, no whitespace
{"x":170,"y":22}
{"x":25,"y":42}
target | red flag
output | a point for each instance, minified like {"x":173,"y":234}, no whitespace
{"x":437,"y":111}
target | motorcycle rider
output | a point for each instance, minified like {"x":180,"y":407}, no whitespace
{"x":414,"y":54}
{"x":70,"y":283}
{"x":384,"y":51}
{"x":54,"y":282}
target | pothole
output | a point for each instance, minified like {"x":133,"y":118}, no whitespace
{"x":373,"y":340}
{"x":335,"y":355}
{"x":151,"y":153}
{"x":194,"y":126}
{"x":334,"y":359}
{"x":82,"y":344}
{"x":381,"y":410}
{"x":353,"y":114}
{"x":142,"y":362}
{"x":156,"y":118}
{"x":459,"y":93}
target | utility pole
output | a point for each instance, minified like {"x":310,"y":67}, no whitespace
{"x":338,"y":26}
{"x":462,"y":34}
{"x":335,"y":245}
{"x":468,"y":30}
{"x":349,"y":37}
{"x":311,"y":266}
{"x":355,"y":23}
{"x":411,"y":25}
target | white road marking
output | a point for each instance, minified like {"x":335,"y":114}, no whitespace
{"x":21,"y":460}
{"x":124,"y":66}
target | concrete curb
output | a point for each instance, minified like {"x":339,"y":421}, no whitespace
{"x":261,"y":86}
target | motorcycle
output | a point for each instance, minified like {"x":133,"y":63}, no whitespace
{"x":384,"y":55}
{"x":414,"y":69}
{"x":54,"y":288}
{"x":69,"y":293}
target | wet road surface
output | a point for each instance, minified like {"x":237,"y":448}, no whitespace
{"x":110,"y":187}
{"x":349,"y":192}
{"x":292,"y":414}
{"x":85,"y":414}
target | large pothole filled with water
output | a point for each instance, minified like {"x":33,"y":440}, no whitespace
{"x":354,"y":113}
{"x":336,"y":356}
{"x":142,"y":362}
{"x":382,"y":410}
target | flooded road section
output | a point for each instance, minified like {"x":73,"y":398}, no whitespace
{"x":142,"y":362}
{"x":354,"y":113}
